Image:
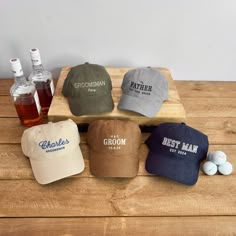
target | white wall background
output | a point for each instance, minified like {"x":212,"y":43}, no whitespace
{"x":195,"y":39}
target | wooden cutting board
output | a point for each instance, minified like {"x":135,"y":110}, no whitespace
{"x":171,"y":110}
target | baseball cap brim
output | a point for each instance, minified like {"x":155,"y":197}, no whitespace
{"x":181,"y":170}
{"x":124,"y":166}
{"x":141,"y":106}
{"x":49,"y":170}
{"x":91,"y":104}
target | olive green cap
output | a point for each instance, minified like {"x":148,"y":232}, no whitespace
{"x":88,"y":90}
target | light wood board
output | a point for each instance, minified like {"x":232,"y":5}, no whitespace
{"x":145,"y":205}
{"x":14,"y":165}
{"x":171,"y":110}
{"x":118,"y":226}
{"x":139,"y":196}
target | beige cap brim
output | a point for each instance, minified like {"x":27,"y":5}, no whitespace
{"x":49,"y":170}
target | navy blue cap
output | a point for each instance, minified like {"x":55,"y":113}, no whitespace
{"x":176,"y":151}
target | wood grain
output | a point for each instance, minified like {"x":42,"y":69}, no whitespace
{"x":140,"y":196}
{"x":14,"y":165}
{"x":171,"y":110}
{"x":7,"y":108}
{"x":200,"y":89}
{"x":193,"y":89}
{"x":5,"y":85}
{"x":210,"y":107}
{"x":118,"y":226}
{"x":145,"y":205}
{"x":219,"y":130}
{"x":11,"y":130}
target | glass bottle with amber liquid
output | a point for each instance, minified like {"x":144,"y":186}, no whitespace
{"x":25,"y":97}
{"x":43,"y":81}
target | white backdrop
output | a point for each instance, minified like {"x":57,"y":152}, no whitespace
{"x":195,"y":39}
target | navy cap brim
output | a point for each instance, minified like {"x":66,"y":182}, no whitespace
{"x":182,"y":170}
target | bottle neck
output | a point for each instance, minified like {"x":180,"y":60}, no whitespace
{"x":37,"y":68}
{"x":20,"y":79}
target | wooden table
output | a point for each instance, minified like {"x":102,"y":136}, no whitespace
{"x":145,"y":205}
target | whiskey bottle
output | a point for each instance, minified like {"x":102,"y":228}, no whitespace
{"x":25,"y":97}
{"x":43,"y":81}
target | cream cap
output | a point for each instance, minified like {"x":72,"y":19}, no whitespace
{"x":53,"y":150}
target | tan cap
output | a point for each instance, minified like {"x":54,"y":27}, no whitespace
{"x":114,"y":146}
{"x":53,"y":150}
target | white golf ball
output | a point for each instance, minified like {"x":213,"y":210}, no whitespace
{"x":226,"y":168}
{"x":209,"y":168}
{"x":218,"y":157}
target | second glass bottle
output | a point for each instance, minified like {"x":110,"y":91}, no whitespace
{"x":43,"y":81}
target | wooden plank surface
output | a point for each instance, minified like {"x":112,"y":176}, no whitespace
{"x":204,"y":89}
{"x":210,"y":107}
{"x":5,"y":86}
{"x":188,"y":89}
{"x":116,"y":226}
{"x":171,"y":110}
{"x":14,"y":165}
{"x":219,"y":130}
{"x":184,"y":88}
{"x":145,"y":205}
{"x":7,"y":108}
{"x":140,"y":196}
{"x":11,"y":130}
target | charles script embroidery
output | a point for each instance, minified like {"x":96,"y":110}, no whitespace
{"x":50,"y":146}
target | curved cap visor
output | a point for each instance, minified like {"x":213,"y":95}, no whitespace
{"x":49,"y":170}
{"x":141,"y":106}
{"x":181,"y":170}
{"x":91,"y":104}
{"x":114,"y":166}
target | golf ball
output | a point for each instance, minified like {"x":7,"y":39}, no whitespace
{"x":226,"y":168}
{"x":218,"y":157}
{"x":209,"y":168}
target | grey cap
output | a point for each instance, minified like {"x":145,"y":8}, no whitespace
{"x":144,"y":91}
